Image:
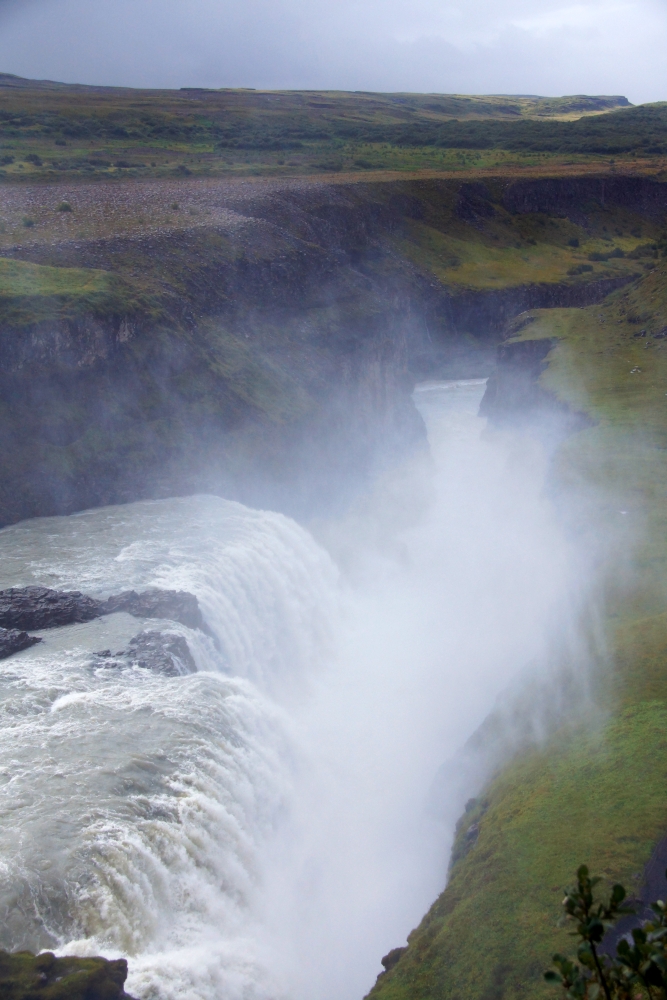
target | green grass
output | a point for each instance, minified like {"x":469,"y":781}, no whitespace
{"x":21,"y":278}
{"x":598,"y":796}
{"x":33,"y":293}
{"x":73,"y":132}
{"x":493,"y":249}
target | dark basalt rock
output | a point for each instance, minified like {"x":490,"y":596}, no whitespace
{"x":161,"y":652}
{"x":24,"y":976}
{"x":176,"y":605}
{"x":13,"y":641}
{"x":38,"y":608}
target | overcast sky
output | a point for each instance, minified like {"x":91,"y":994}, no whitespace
{"x":549,"y":47}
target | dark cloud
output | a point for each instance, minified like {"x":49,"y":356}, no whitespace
{"x":482,"y":46}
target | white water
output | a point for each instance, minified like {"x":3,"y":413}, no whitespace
{"x":261,"y":828}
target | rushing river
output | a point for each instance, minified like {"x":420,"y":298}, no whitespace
{"x":264,"y":827}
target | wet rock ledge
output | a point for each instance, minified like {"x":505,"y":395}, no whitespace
{"x":24,"y":976}
{"x":36,"y":608}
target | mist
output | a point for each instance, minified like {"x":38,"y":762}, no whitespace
{"x":487,"y":46}
{"x":461,"y":595}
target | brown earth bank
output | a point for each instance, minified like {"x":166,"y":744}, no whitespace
{"x":262,"y":341}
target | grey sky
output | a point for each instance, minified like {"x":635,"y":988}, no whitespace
{"x":465,"y":46}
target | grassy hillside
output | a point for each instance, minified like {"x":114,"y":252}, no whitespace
{"x":49,"y":130}
{"x":596,"y":791}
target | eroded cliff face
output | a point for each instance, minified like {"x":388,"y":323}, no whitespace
{"x":270,"y":357}
{"x":579,"y":197}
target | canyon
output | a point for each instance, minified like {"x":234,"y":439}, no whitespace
{"x":260,"y":341}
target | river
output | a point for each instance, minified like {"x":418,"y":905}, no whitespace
{"x":265,"y":827}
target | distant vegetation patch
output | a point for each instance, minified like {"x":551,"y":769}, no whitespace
{"x":51,"y":129}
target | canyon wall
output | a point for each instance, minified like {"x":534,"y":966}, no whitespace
{"x":270,"y":358}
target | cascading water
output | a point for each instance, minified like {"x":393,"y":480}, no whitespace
{"x":259,"y":828}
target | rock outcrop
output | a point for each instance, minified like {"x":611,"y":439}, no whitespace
{"x":176,"y":605}
{"x":392,"y":957}
{"x":38,"y":608}
{"x":161,"y":652}
{"x":24,"y":976}
{"x":514,"y":394}
{"x":13,"y":641}
{"x":576,"y":197}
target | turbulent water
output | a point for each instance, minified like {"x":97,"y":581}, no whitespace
{"x":265,"y":827}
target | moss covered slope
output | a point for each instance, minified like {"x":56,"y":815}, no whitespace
{"x":24,"y":976}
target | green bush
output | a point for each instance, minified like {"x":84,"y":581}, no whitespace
{"x":579,"y":268}
{"x":641,"y":965}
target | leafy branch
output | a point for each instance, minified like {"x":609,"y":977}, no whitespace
{"x":640,"y":965}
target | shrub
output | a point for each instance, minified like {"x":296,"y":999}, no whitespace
{"x":4,"y":160}
{"x":64,"y":206}
{"x":643,"y":250}
{"x":34,"y":159}
{"x":640,"y":965}
{"x":334,"y":165}
{"x":28,"y":222}
{"x":574,"y":242}
{"x":579,"y":268}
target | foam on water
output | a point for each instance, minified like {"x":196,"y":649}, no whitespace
{"x":133,"y":804}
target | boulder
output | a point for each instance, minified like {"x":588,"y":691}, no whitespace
{"x":13,"y":641}
{"x":162,"y":652}
{"x":176,"y":605}
{"x":33,"y":608}
{"x":38,"y":607}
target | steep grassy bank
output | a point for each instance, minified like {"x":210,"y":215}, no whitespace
{"x":596,"y":790}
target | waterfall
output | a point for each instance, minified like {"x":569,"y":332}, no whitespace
{"x":260,"y":828}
